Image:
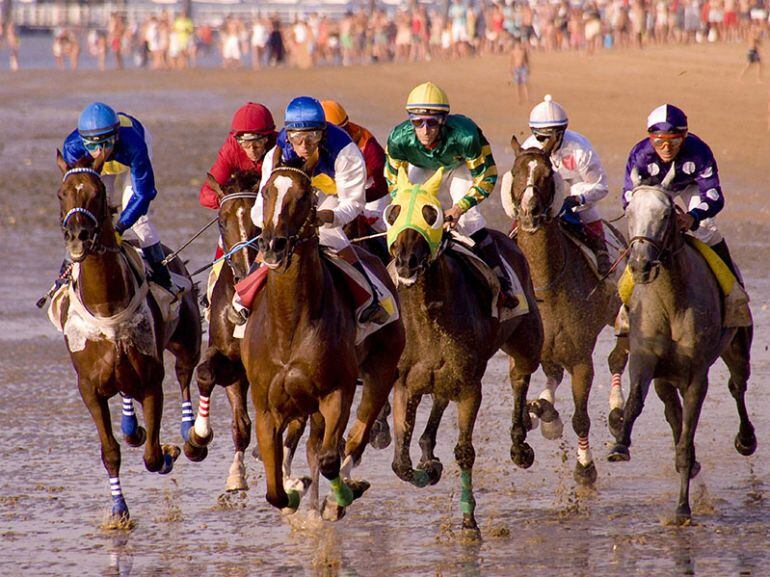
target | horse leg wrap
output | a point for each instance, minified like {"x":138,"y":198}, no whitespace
{"x":188,"y":419}
{"x":119,"y":507}
{"x":294,"y":499}
{"x":202,"y":421}
{"x":584,"y":452}
{"x":128,"y":423}
{"x":467,"y":501}
{"x":342,"y":493}
{"x":617,"y":401}
{"x":549,"y":392}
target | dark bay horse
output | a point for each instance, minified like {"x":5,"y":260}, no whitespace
{"x":573,"y":307}
{"x":676,"y":334}
{"x":451,"y":335}
{"x":117,"y":343}
{"x":299,"y":349}
{"x":221,"y":362}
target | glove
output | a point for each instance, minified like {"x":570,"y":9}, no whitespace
{"x":118,"y":238}
{"x":572,"y":202}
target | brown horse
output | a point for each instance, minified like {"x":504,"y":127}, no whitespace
{"x":299,"y":349}
{"x":221,"y":362}
{"x":451,"y":335}
{"x":574,"y":308}
{"x":676,"y":334}
{"x":114,"y":333}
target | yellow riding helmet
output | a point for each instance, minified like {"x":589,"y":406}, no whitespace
{"x":335,"y":114}
{"x":427,"y":97}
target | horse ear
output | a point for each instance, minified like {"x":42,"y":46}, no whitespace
{"x":403,"y":182}
{"x":635,"y":178}
{"x":214,"y":185}
{"x":515,"y":145}
{"x":666,"y":182}
{"x":61,"y":163}
{"x":550,"y":144}
{"x":277,"y":156}
{"x":432,"y":185}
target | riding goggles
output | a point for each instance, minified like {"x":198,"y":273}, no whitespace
{"x":543,"y":134}
{"x":255,"y":137}
{"x":431,"y":121}
{"x":305,"y":137}
{"x":94,"y":144}
{"x":660,"y":138}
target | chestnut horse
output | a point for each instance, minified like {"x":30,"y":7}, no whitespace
{"x":119,"y":347}
{"x":676,"y":333}
{"x":221,"y":362}
{"x":451,"y":335}
{"x":574,"y":308}
{"x":300,"y":353}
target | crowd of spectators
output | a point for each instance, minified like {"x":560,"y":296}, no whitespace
{"x":414,"y":34}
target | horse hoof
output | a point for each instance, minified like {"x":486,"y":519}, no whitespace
{"x":300,"y":486}
{"x":236,"y":483}
{"x":186,"y":428}
{"x":380,"y":438}
{"x":357,"y":487}
{"x":683,"y":517}
{"x":523,"y":455}
{"x":331,"y":511}
{"x":615,"y":422}
{"x":619,"y":453}
{"x":585,"y":475}
{"x":120,"y":510}
{"x":195,"y":454}
{"x":470,"y":527}
{"x":200,"y":442}
{"x":170,"y":455}
{"x":552,"y":430}
{"x":747,"y":448}
{"x":433,"y":468}
{"x":533,"y":422}
{"x":137,"y":439}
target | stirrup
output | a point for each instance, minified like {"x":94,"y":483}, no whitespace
{"x":622,"y":324}
{"x":374,"y":313}
{"x":603,"y":263}
{"x":237,"y":317}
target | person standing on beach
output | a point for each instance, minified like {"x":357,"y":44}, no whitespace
{"x":753,"y":57}
{"x":520,"y":69}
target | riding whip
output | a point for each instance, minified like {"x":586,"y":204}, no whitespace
{"x":174,"y":254}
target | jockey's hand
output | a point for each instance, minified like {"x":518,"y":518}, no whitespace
{"x":451,"y":216}
{"x":685,"y":221}
{"x":572,"y":202}
{"x":324,"y":217}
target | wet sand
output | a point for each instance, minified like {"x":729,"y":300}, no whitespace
{"x":54,"y":492}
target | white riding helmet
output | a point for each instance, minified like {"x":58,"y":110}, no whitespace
{"x":548,"y":114}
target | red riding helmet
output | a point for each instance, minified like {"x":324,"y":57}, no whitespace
{"x":252,"y":117}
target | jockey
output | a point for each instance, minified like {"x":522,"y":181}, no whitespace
{"x":252,"y":134}
{"x":377,"y":197}
{"x":669,"y":146}
{"x":127,"y":147}
{"x":577,"y":163}
{"x":337,"y":170}
{"x":432,"y":138}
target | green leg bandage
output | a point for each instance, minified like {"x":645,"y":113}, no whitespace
{"x":294,"y":498}
{"x":342,"y":493}
{"x":467,"y":502}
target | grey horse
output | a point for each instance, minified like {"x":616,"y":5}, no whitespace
{"x":676,"y":334}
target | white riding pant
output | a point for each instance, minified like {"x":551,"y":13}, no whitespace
{"x":456,"y":182}
{"x":707,"y":232}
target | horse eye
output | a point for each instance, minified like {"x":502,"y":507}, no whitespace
{"x":430,"y":214}
{"x":391,"y":213}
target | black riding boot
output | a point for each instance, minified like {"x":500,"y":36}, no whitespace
{"x":487,"y":250}
{"x":159,"y":275}
{"x":374,"y":313}
{"x":724,"y":253}
{"x":599,"y":248}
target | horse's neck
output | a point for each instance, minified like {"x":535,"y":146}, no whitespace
{"x":296,"y":295}
{"x":434,"y":292}
{"x":546,"y":251}
{"x":105,"y":283}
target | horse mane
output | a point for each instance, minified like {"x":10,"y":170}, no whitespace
{"x":244,"y":180}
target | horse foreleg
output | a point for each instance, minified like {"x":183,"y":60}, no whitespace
{"x":582,"y":378}
{"x":404,"y":414}
{"x":156,"y":458}
{"x":241,"y":433}
{"x":522,"y":453}
{"x":737,"y":359}
{"x":335,"y":408}
{"x":207,"y":375}
{"x":673,"y":412}
{"x":641,"y":377}
{"x":271,"y":447}
{"x":429,"y":462}
{"x":465,"y":454}
{"x":186,"y":355}
{"x":133,"y":433}
{"x":544,"y":408}
{"x":617,"y":364}
{"x":110,"y":450}
{"x":685,"y":447}
{"x":315,"y":438}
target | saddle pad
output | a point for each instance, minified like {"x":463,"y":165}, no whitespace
{"x":168,"y":302}
{"x":249,"y":287}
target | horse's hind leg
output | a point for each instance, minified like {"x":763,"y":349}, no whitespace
{"x":241,"y":432}
{"x":737,"y":359}
{"x":544,"y":409}
{"x":685,"y":447}
{"x":291,"y":439}
{"x":207,"y":375}
{"x":673,"y":411}
{"x":100,"y":413}
{"x":465,"y":454}
{"x":641,"y":377}
{"x":271,"y":447}
{"x":184,"y":367}
{"x":617,"y":364}
{"x":428,"y":462}
{"x":582,"y":378}
{"x":522,"y":453}
{"x":380,"y":437}
{"x":404,"y":415}
{"x":156,"y":458}
{"x":315,"y":438}
{"x":335,"y":408}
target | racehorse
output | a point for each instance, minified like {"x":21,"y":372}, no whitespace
{"x":117,"y":343}
{"x":676,"y":334}
{"x":451,"y":335}
{"x":300,"y":353}
{"x":575,"y":306}
{"x":222,"y":359}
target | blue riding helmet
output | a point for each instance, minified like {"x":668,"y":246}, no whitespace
{"x":98,"y":121}
{"x":667,"y":118}
{"x":304,"y":113}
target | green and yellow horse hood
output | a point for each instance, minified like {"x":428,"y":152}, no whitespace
{"x":415,"y":206}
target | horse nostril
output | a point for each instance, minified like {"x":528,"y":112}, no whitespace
{"x":83,"y":235}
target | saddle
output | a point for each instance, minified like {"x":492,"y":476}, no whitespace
{"x":614,"y":243}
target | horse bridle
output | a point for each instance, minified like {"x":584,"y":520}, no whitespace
{"x":547,"y":216}
{"x":661,"y":249}
{"x":93,"y":245}
{"x":309,"y":223}
{"x":241,"y":195}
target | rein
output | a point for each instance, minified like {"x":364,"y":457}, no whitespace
{"x":242,"y":195}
